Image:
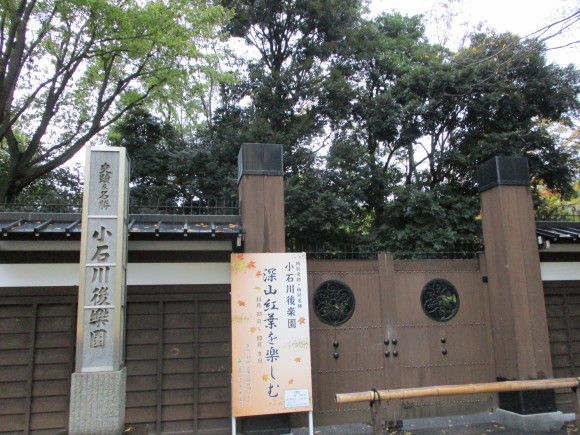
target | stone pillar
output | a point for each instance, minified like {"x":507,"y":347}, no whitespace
{"x":97,"y":403}
{"x":261,"y":193}
{"x":520,"y":330}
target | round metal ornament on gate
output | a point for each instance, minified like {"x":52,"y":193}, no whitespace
{"x":440,"y":300}
{"x":333,"y":302}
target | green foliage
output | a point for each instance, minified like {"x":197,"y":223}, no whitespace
{"x":438,"y":220}
{"x":382,"y":130}
{"x":316,"y":214}
{"x":506,"y":93}
{"x":408,"y":123}
{"x":58,"y":191}
{"x":551,"y":206}
{"x":375,"y":100}
{"x":168,"y":170}
{"x":84,"y":63}
{"x":293,"y":38}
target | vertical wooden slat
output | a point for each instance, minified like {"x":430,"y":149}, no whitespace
{"x":159,"y":378}
{"x":562,"y":306}
{"x":195,"y":390}
{"x":568,"y":331}
{"x":72,"y":352}
{"x":30,"y":374}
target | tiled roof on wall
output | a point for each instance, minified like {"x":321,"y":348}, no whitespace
{"x":59,"y":226}
{"x":559,"y":232}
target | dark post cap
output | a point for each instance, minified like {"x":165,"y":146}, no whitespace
{"x":501,"y":171}
{"x":260,"y":159}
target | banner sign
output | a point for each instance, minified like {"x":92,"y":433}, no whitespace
{"x":271,"y":370}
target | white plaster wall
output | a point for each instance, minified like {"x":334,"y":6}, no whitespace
{"x":560,"y":271}
{"x":178,"y":273}
{"x":52,"y":275}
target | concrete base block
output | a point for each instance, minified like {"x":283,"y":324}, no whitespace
{"x":532,"y":422}
{"x":97,"y":403}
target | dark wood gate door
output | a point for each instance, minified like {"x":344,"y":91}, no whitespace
{"x":390,"y":342}
{"x":440,"y":351}
{"x":178,"y":359}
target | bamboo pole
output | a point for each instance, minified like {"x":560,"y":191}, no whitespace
{"x":448,"y":390}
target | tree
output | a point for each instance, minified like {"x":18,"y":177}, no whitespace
{"x":372,"y":106}
{"x":426,"y":117}
{"x":407,"y":123}
{"x":277,"y":100}
{"x":293,"y":39}
{"x":498,"y":97}
{"x":59,"y":191}
{"x":168,"y":170}
{"x":69,"y":69}
{"x":432,"y":221}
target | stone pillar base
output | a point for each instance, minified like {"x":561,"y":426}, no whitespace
{"x":550,"y":421}
{"x":97,"y":403}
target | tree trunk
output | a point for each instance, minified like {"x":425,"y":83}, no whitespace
{"x":9,"y":191}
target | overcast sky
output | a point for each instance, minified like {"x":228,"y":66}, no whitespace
{"x":521,"y":17}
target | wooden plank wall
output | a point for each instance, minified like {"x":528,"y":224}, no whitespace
{"x":37,"y":333}
{"x":178,"y":359}
{"x":563,"y":311}
{"x":178,"y":348}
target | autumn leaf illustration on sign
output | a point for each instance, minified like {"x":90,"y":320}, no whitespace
{"x":241,"y":303}
{"x":253,"y":329}
{"x":298,"y":359}
{"x":291,"y":381}
{"x":265,"y":377}
{"x":258,"y":273}
{"x":302,"y":320}
{"x":252,"y":265}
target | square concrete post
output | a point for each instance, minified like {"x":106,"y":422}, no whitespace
{"x":520,"y":330}
{"x":97,"y":404}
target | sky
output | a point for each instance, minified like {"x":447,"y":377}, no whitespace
{"x":521,"y":17}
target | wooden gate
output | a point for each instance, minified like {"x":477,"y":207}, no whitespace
{"x":437,"y":352}
{"x":390,"y":342}
{"x":178,"y":359}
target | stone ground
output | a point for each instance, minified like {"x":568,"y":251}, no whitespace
{"x":468,"y":429}
{"x":480,"y":429}
{"x":479,"y":424}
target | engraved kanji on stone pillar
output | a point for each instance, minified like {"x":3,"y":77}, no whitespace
{"x":102,"y":294}
{"x":102,"y":285}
